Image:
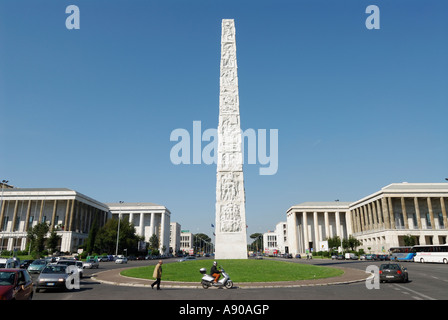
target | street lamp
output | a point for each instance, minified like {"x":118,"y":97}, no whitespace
{"x":1,"y":207}
{"x":118,"y":231}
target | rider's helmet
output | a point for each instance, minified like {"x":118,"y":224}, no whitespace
{"x":215,"y":263}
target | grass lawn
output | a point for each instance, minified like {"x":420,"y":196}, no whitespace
{"x":239,"y":271}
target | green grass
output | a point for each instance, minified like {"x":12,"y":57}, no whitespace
{"x":239,"y":271}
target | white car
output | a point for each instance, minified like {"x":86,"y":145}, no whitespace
{"x":121,"y":259}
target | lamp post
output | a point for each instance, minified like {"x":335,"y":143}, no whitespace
{"x":1,"y":207}
{"x":118,"y":231}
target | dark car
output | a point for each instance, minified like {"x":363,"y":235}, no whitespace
{"x":15,"y":284}
{"x":393,"y":272}
{"x":25,"y":264}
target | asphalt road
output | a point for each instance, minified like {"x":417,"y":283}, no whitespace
{"x":427,"y":282}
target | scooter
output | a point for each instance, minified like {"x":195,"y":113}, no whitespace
{"x":208,"y":281}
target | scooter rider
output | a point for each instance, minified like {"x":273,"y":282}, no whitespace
{"x":215,"y":273}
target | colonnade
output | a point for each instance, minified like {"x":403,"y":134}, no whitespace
{"x":394,"y":213}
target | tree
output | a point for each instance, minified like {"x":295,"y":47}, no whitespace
{"x":90,"y":243}
{"x":53,"y":241}
{"x":154,"y":244}
{"x":409,"y":241}
{"x":37,"y":237}
{"x":257,"y":244}
{"x":200,"y":241}
{"x":106,"y":238}
{"x":351,"y":243}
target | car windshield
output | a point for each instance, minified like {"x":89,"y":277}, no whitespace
{"x":68,"y":263}
{"x":55,"y":269}
{"x":390,"y":267}
{"x":39,"y":262}
{"x":7,"y":278}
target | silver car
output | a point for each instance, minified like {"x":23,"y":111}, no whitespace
{"x":53,"y":276}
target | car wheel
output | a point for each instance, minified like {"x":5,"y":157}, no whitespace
{"x":445,"y":261}
{"x":422,"y":261}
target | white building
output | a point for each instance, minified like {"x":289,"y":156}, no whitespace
{"x":276,"y":242}
{"x":309,"y":223}
{"x":174,"y":237}
{"x":69,"y":213}
{"x":380,"y":221}
{"x":148,"y":219}
{"x":186,"y":241}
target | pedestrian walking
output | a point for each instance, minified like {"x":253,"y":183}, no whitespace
{"x":158,"y":275}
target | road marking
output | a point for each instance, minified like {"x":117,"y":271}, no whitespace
{"x":415,"y":292}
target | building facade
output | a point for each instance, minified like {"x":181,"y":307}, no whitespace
{"x":147,"y":218}
{"x":310,"y":223}
{"x":186,"y":241}
{"x":380,"y":221}
{"x":174,"y":237}
{"x":384,"y":218}
{"x":69,"y":213}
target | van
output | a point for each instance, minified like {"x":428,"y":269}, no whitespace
{"x":351,"y":256}
{"x":7,"y":263}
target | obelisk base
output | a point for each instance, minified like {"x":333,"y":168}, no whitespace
{"x":231,"y":245}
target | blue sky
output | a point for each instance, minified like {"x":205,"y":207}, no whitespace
{"x":93,"y":109}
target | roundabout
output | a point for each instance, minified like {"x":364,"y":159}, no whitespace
{"x":245,"y":274}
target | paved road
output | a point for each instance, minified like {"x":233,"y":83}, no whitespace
{"x":427,"y":282}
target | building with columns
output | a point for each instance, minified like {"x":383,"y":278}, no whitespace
{"x":309,"y":223}
{"x":380,"y":221}
{"x":69,"y":213}
{"x":148,"y":219}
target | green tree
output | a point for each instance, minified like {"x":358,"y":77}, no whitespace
{"x":37,"y":237}
{"x":257,"y":244}
{"x":53,"y":241}
{"x":409,"y":241}
{"x":154,"y":244}
{"x":90,"y":243}
{"x":200,"y":241}
{"x":106,"y":237}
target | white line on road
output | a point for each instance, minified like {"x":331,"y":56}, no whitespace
{"x":415,"y":292}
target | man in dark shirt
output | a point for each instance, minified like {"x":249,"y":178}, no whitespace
{"x":215,"y":272}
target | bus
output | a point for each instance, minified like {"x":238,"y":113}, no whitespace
{"x":402,"y":253}
{"x":431,"y":253}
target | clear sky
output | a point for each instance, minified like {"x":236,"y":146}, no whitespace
{"x":93,"y":109}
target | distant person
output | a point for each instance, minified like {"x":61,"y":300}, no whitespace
{"x":157,"y":274}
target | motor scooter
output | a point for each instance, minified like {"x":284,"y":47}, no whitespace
{"x":208,"y":281}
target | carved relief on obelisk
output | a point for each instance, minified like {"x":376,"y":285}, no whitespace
{"x":231,"y":242}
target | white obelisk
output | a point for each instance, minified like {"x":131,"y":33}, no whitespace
{"x":230,"y":241}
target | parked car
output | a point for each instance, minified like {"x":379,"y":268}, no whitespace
{"x":121,"y":259}
{"x":53,"y":276}
{"x":393,"y":272}
{"x":187,"y":258}
{"x":90,"y":263}
{"x":15,"y":284}
{"x":25,"y":264}
{"x":37,"y":266}
{"x":103,"y":259}
{"x":8,"y":263}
